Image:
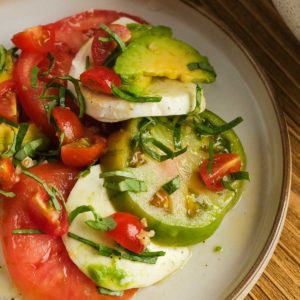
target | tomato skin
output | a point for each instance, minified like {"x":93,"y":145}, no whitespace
{"x":125,"y":233}
{"x":8,"y":101}
{"x":68,"y":124}
{"x":8,"y":177}
{"x":38,"y":39}
{"x":29,"y":96}
{"x":100,"y":79}
{"x":47,"y":218}
{"x":83,"y":152}
{"x":223,"y":165}
{"x":75,"y":30}
{"x":39,"y":264}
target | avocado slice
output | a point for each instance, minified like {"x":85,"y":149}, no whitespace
{"x":6,"y":64}
{"x":138,"y":30}
{"x":161,"y":56}
{"x":195,"y":212}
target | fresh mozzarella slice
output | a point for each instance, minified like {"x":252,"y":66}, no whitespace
{"x":178,"y":98}
{"x":112,"y":273}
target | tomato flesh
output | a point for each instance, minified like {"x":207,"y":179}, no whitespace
{"x":8,"y":176}
{"x":8,"y":101}
{"x":222,"y":165}
{"x":126,"y":231}
{"x":38,"y":39}
{"x":39,"y":264}
{"x":68,"y":124}
{"x":100,"y":79}
{"x":83,"y":152}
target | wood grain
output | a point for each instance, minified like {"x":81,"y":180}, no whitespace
{"x":260,"y":28}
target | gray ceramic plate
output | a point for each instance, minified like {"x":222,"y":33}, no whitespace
{"x":250,"y":231}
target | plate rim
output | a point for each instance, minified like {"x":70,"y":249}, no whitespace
{"x":250,"y":279}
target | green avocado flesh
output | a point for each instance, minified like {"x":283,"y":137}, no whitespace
{"x":153,"y":55}
{"x":181,"y":224}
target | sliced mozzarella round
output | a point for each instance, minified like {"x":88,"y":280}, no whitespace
{"x":178,"y":98}
{"x":111,"y":272}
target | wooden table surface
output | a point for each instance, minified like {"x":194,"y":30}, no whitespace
{"x":258,"y":25}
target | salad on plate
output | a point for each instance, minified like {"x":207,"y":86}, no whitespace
{"x":110,"y":165}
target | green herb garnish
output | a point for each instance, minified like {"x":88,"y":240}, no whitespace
{"x":145,"y":257}
{"x":127,"y":185}
{"x":51,"y":65}
{"x":29,"y":150}
{"x":227,"y":181}
{"x":34,"y":77}
{"x":2,"y":57}
{"x":87,"y":62}
{"x":8,"y":122}
{"x":173,"y":185}
{"x":204,"y":65}
{"x":79,"y":210}
{"x":203,"y":129}
{"x":7,"y":194}
{"x":118,"y":173}
{"x":114,"y":36}
{"x":210,"y":157}
{"x":131,"y":97}
{"x":27,"y":231}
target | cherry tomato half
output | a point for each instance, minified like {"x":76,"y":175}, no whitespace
{"x":99,"y":79}
{"x":38,"y":39}
{"x":102,"y":50}
{"x":222,"y":165}
{"x":68,"y":124}
{"x":46,"y":217}
{"x":83,"y":152}
{"x":126,"y":231}
{"x":8,"y":101}
{"x":8,"y":176}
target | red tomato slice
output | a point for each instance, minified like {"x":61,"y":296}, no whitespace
{"x":35,"y":39}
{"x":75,"y":30}
{"x":68,"y":124}
{"x":29,"y":96}
{"x":39,"y":264}
{"x":83,"y":152}
{"x":126,"y":231}
{"x":222,"y":165}
{"x":99,"y":79}
{"x":8,"y":176}
{"x":8,"y":101}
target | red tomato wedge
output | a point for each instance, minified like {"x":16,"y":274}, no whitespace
{"x":100,"y":79}
{"x":35,"y":39}
{"x":8,"y":101}
{"x":83,"y":152}
{"x":126,"y":231}
{"x":39,"y":264}
{"x":222,"y":165}
{"x":8,"y":177}
{"x":68,"y":124}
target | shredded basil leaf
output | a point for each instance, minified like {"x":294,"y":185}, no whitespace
{"x":52,"y":192}
{"x":173,"y":185}
{"x":131,"y":97}
{"x":86,"y":171}
{"x":79,"y":210}
{"x":62,"y":96}
{"x":103,"y":224}
{"x":51,"y":65}
{"x":114,"y":36}
{"x":105,"y":39}
{"x":34,"y":77}
{"x":8,"y":122}
{"x":241,"y":175}
{"x":104,"y":291}
{"x":228,"y":185}
{"x":2,"y":57}
{"x":177,"y":133}
{"x":30,"y":149}
{"x":80,"y":98}
{"x":210,"y":157}
{"x":127,"y":185}
{"x":145,"y":257}
{"x":7,"y":194}
{"x":111,"y":60}
{"x":87,"y":62}
{"x":27,"y":231}
{"x":202,"y":129}
{"x":23,"y":128}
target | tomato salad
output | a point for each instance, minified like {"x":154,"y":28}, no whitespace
{"x":109,"y":163}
